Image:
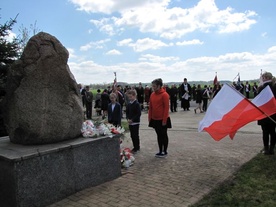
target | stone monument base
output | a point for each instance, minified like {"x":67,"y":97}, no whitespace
{"x":40,"y":175}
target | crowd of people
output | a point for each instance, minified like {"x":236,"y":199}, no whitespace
{"x":158,"y":99}
{"x":183,"y":93}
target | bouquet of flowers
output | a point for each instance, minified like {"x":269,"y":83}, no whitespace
{"x":92,"y":129}
{"x":127,"y":158}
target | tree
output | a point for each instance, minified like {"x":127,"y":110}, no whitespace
{"x":25,"y":34}
{"x":9,"y":52}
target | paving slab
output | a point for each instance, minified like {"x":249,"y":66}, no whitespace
{"x":195,"y":165}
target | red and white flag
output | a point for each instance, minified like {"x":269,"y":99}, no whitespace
{"x":230,"y":110}
{"x":216,"y":80}
{"x":266,"y":102}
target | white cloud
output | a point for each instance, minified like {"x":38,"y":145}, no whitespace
{"x":147,"y":44}
{"x":157,"y":59}
{"x":154,"y":16}
{"x":124,"y":42}
{"x":190,"y":42}
{"x":71,"y":53}
{"x":143,"y":44}
{"x":113,"y":52}
{"x":104,"y":25}
{"x":95,"y":45}
{"x":272,"y":49}
{"x":173,"y":69}
{"x":110,"y":6}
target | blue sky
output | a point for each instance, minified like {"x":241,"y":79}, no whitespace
{"x":147,"y":39}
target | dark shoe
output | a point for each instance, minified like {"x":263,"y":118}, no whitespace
{"x":165,"y":154}
{"x":159,"y":155}
{"x":265,"y":150}
{"x":135,"y":150}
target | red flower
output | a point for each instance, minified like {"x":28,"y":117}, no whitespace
{"x":114,"y":131}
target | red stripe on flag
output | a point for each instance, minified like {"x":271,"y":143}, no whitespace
{"x":239,"y":116}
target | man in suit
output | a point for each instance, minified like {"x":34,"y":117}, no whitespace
{"x":185,"y":91}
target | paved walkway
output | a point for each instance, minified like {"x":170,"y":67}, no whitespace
{"x":195,"y":165}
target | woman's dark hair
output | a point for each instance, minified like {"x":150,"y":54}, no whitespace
{"x":157,"y":82}
{"x":98,"y":90}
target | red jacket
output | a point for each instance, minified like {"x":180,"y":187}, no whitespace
{"x":159,"y":106}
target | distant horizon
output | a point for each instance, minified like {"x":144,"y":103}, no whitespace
{"x":172,"y":82}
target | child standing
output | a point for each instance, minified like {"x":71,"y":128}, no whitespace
{"x":133,"y":114}
{"x":114,"y":111}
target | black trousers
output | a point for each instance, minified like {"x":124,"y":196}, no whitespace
{"x":205,"y":104}
{"x":269,"y":130}
{"x":173,"y":104}
{"x":88,"y":110}
{"x":134,"y":134}
{"x":162,"y":136}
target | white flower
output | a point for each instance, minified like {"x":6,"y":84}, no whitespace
{"x":89,"y":129}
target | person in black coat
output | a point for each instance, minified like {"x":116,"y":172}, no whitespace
{"x":268,"y":126}
{"x":247,"y":89}
{"x":173,"y":97}
{"x":185,"y":91}
{"x":88,"y":102}
{"x":140,"y":95}
{"x":114,"y":111}
{"x":105,"y":101}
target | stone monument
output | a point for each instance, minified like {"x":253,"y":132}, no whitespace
{"x":40,"y":161}
{"x":42,"y":104}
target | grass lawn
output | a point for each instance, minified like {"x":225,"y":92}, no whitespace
{"x":253,"y":185}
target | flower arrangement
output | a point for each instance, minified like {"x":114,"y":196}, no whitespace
{"x":92,"y":129}
{"x":127,"y":158}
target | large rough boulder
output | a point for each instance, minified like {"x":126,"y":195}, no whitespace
{"x":42,"y":104}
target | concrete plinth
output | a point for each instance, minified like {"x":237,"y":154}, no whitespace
{"x":39,"y":175}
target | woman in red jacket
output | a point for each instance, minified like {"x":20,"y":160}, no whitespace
{"x":158,"y":115}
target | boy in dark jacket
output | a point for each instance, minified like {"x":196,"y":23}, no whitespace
{"x":114,"y":111}
{"x":133,"y":114}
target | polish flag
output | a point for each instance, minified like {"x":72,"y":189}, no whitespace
{"x":215,"y":80}
{"x":230,"y":110}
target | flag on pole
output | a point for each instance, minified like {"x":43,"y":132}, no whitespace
{"x":115,"y":82}
{"x":236,"y":76}
{"x":215,"y":80}
{"x":239,"y":79}
{"x":265,"y":102}
{"x":261,"y":78}
{"x":226,"y":115}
